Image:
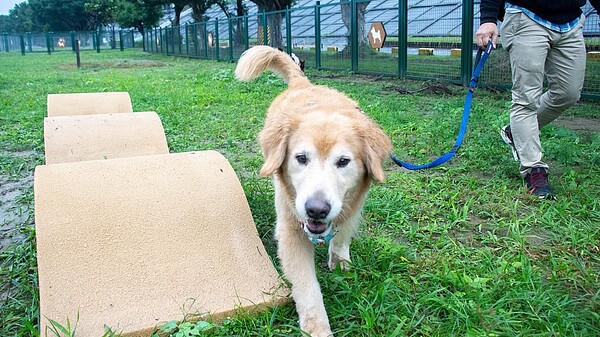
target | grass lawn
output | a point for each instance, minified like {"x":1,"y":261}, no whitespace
{"x":460,"y":250}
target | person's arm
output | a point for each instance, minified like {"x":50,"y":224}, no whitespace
{"x":489,"y":11}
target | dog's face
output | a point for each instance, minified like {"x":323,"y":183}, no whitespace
{"x":325,"y":162}
{"x":323,"y":165}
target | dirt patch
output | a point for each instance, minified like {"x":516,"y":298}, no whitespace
{"x":13,"y":215}
{"x":579,"y":124}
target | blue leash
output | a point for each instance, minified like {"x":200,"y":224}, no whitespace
{"x":482,"y":56}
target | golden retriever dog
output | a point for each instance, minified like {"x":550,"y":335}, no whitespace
{"x":323,"y":153}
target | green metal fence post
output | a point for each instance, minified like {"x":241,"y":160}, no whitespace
{"x":402,"y":37}
{"x":288,"y":30}
{"x":187,"y":39}
{"x":205,"y":38}
{"x":179,"y":39}
{"x":265,"y":28}
{"x":48,"y":43}
{"x":160,"y":39}
{"x":121,"y":46}
{"x":217,"y":56}
{"x":246,"y":33}
{"x":22,"y":41}
{"x":99,"y":37}
{"x":167,"y":39}
{"x":113,"y":42}
{"x":5,"y":38}
{"x":230,"y":39}
{"x":29,"y":42}
{"x":195,"y":32}
{"x":318,"y":35}
{"x":466,"y":43}
{"x":353,"y":36}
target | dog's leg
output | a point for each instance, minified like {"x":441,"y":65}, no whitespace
{"x":339,"y":247}
{"x":296,"y":254}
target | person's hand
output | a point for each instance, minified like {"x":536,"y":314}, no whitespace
{"x":486,"y":31}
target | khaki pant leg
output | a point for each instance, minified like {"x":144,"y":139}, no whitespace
{"x":528,"y":45}
{"x":565,"y":72}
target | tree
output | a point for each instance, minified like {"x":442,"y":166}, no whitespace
{"x":199,"y":8}
{"x":361,"y":10}
{"x":22,"y":18}
{"x":139,"y":15}
{"x":61,"y":15}
{"x":102,"y":12}
{"x":19,"y":19}
{"x":275,"y":20}
{"x":178,"y":6}
{"x":5,"y":24}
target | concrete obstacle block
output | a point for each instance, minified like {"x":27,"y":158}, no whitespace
{"x":332,"y":48}
{"x":394,"y":50}
{"x":593,"y":55}
{"x":127,"y":243}
{"x":103,"y":136}
{"x":425,"y":51}
{"x":455,"y":52}
{"x":88,"y":103}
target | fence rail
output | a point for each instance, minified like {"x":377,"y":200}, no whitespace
{"x":325,"y":39}
{"x":332,"y":36}
{"x":51,"y":42}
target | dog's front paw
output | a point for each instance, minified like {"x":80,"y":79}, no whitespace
{"x":319,"y":332}
{"x":335,"y":259}
{"x":316,"y":327}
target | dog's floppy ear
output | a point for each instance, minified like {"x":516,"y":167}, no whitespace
{"x":377,"y":148}
{"x":273,"y":141}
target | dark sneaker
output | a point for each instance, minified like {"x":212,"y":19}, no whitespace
{"x":537,"y":183}
{"x":508,"y":139}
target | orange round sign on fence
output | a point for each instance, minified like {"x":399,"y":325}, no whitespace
{"x":377,"y":35}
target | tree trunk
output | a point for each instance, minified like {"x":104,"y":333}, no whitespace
{"x":276,"y":37}
{"x":361,"y":10}
{"x":178,"y":8}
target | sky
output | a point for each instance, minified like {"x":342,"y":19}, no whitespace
{"x":6,"y":5}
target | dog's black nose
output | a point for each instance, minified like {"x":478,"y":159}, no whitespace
{"x":317,"y":209}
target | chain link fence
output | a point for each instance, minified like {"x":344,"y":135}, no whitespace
{"x":420,"y":39}
{"x":51,"y":42}
{"x":414,"y":39}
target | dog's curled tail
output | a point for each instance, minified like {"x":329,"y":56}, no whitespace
{"x":260,"y":58}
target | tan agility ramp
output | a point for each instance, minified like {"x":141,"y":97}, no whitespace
{"x":88,"y":103}
{"x":103,"y":136}
{"x":132,"y":242}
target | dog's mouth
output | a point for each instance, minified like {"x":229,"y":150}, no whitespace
{"x":316,"y":227}
{"x":317,"y":231}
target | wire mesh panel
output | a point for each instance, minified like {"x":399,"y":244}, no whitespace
{"x":222,"y":42}
{"x":434,"y":39}
{"x":379,"y":23}
{"x":334,"y":37}
{"x":591,"y":31}
{"x":303,"y":34}
{"x":239,"y":36}
{"x":9,"y":43}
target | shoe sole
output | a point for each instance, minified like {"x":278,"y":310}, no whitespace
{"x":509,"y":143}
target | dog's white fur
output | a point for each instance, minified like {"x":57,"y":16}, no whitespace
{"x":376,"y":34}
{"x":321,"y":150}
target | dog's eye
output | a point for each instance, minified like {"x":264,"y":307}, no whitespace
{"x":343,"y":162}
{"x":301,"y":158}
